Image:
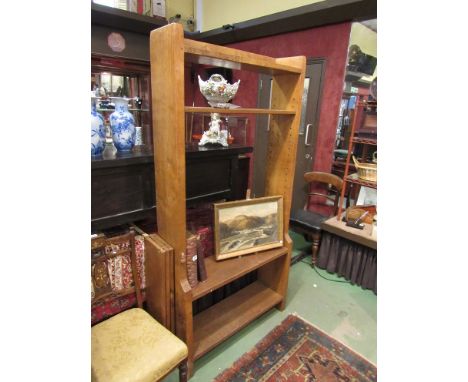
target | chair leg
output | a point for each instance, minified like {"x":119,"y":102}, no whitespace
{"x":183,"y":371}
{"x":315,"y":246}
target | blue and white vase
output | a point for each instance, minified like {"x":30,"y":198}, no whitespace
{"x":122,"y":125}
{"x":98,"y":130}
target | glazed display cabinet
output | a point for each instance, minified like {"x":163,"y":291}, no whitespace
{"x":123,"y":184}
{"x":111,"y":77}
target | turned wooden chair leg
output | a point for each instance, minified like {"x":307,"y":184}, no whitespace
{"x":315,"y":246}
{"x":183,"y":371}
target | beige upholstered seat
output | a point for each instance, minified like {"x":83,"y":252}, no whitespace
{"x":132,"y":346}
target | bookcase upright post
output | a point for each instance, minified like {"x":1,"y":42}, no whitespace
{"x":281,"y":163}
{"x":167,"y":84}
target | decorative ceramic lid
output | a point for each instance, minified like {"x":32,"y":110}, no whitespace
{"x":217,"y":90}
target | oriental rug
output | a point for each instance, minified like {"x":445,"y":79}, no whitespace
{"x":297,"y":351}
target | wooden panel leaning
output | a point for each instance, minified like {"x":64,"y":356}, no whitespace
{"x":159,"y":265}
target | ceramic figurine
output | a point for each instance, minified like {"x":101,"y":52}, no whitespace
{"x":138,"y":102}
{"x":98,"y":130}
{"x":214,"y":135}
{"x":122,"y":125}
{"x":101,"y":91}
{"x":217,"y":91}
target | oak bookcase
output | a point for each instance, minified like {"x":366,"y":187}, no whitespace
{"x":169,"y":52}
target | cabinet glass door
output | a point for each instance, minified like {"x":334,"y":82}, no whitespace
{"x":111,"y":78}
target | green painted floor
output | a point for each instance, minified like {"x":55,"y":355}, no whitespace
{"x":346,"y":312}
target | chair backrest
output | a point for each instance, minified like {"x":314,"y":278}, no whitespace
{"x":328,"y":180}
{"x":104,"y":255}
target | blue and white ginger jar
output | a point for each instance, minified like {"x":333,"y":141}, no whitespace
{"x":122,"y":125}
{"x":98,"y":130}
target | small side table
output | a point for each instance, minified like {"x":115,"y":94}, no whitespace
{"x":349,"y":252}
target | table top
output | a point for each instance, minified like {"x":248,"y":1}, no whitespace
{"x":143,"y":154}
{"x":339,"y":228}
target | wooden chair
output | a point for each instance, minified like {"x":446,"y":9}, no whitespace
{"x":310,"y":222}
{"x":132,"y":345}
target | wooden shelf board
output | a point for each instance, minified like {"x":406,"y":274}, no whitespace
{"x":112,"y":110}
{"x":220,"y":321}
{"x":224,"y":271}
{"x":221,"y":56}
{"x":353,"y":178}
{"x":239,"y":110}
{"x":366,"y":141}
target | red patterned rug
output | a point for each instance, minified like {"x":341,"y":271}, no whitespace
{"x":297,"y":351}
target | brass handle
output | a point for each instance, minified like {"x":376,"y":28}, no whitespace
{"x":307,"y":134}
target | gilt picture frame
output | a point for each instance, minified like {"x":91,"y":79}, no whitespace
{"x":247,"y":226}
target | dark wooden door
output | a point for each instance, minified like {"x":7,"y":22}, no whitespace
{"x":307,"y":131}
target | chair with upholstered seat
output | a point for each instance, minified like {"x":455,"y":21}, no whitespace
{"x":132,"y":345}
{"x":309,"y":222}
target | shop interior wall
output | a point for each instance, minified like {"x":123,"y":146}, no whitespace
{"x":182,"y":7}
{"x":216,"y":13}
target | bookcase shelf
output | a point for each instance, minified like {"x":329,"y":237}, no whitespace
{"x":223,"y":272}
{"x":169,"y":54}
{"x":220,"y":321}
{"x":203,"y":53}
{"x":239,"y":110}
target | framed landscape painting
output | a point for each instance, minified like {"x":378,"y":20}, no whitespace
{"x":248,"y":226}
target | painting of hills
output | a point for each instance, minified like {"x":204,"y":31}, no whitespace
{"x":248,"y":226}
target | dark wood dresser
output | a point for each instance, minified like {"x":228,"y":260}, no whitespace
{"x":123,"y":186}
